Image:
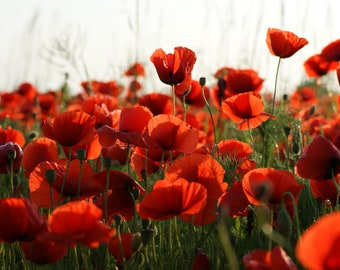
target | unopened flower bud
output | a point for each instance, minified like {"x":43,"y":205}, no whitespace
{"x":284,"y":222}
{"x":202,"y":81}
{"x":50,"y":176}
{"x":136,"y":242}
{"x":107,"y":161}
{"x":81,"y":154}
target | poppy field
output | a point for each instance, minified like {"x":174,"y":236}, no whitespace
{"x":222,"y":176}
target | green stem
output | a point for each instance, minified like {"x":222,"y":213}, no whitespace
{"x":65,"y":175}
{"x":296,"y":214}
{"x":79,"y":179}
{"x":121,"y":247}
{"x":275,"y":87}
{"x":210,"y":113}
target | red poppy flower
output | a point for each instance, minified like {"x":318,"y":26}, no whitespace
{"x":107,"y":88}
{"x":243,"y":80}
{"x":27,"y":90}
{"x":5,"y":162}
{"x":39,"y":150}
{"x":89,"y":105}
{"x":77,"y":221}
{"x":11,"y":135}
{"x":49,"y":104}
{"x":157,"y":103}
{"x":114,"y":247}
{"x":167,"y":200}
{"x":234,"y":149}
{"x":135,"y":70}
{"x":119,"y":199}
{"x":173,"y":68}
{"x":246,"y":109}
{"x":319,"y":160}
{"x":169,"y":132}
{"x":316,"y":66}
{"x":304,"y":96}
{"x":234,"y":203}
{"x":195,"y":97}
{"x":205,"y":170}
{"x":332,"y":51}
{"x":117,"y":152}
{"x":267,"y":186}
{"x":40,"y":188}
{"x":71,"y":128}
{"x":41,"y":252}
{"x":283,"y":43}
{"x":276,"y":258}
{"x":107,"y":136}
{"x":145,"y":161}
{"x":131,"y":124}
{"x":22,"y":220}
{"x":201,"y":261}
{"x":315,"y":254}
{"x":324,"y":190}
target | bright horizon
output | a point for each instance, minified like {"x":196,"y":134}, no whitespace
{"x":106,"y":37}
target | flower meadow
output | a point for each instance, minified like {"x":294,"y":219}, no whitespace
{"x":204,"y":177}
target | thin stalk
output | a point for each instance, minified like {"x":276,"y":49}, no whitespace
{"x":51,"y":197}
{"x":210,"y":113}
{"x":79,"y":179}
{"x":296,"y":214}
{"x":65,"y":175}
{"x":173,"y":95}
{"x":275,"y":86}
{"x":121,"y":248}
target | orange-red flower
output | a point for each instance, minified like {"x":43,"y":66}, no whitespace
{"x":167,"y":200}
{"x":302,"y":97}
{"x":40,"y":188}
{"x":11,"y":135}
{"x":195,"y":97}
{"x":39,"y":150}
{"x":283,"y":43}
{"x":157,"y":103}
{"x":71,"y":128}
{"x":319,"y":160}
{"x":267,"y":186}
{"x":173,"y":68}
{"x":205,"y":170}
{"x":75,"y":222}
{"x":107,"y":88}
{"x":169,"y":132}
{"x":318,"y":247}
{"x":316,"y":66}
{"x":276,"y":258}
{"x":21,"y":220}
{"x":246,"y":109}
{"x":137,"y":69}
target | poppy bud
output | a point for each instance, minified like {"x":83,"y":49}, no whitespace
{"x":50,"y":176}
{"x":32,"y":135}
{"x":296,"y":148}
{"x":312,"y":110}
{"x":10,"y":152}
{"x":263,"y":215}
{"x":202,"y":81}
{"x":107,"y":162}
{"x":286,"y":130}
{"x":136,"y":242}
{"x":284,"y":222}
{"x":118,"y":220}
{"x":81,"y":154}
{"x":146,"y":235}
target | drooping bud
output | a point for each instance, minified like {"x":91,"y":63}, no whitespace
{"x":284,"y":222}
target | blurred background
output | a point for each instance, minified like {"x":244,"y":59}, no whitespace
{"x":41,"y":40}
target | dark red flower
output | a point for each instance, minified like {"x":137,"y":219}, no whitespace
{"x":332,"y":51}
{"x":120,"y":200}
{"x":10,"y":149}
{"x":135,"y":70}
{"x":283,"y":43}
{"x":195,"y":97}
{"x":173,"y":68}
{"x":201,"y":261}
{"x":126,"y":242}
{"x":319,"y":160}
{"x":107,"y":88}
{"x":243,"y":80}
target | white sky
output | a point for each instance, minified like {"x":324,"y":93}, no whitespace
{"x":106,"y":36}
